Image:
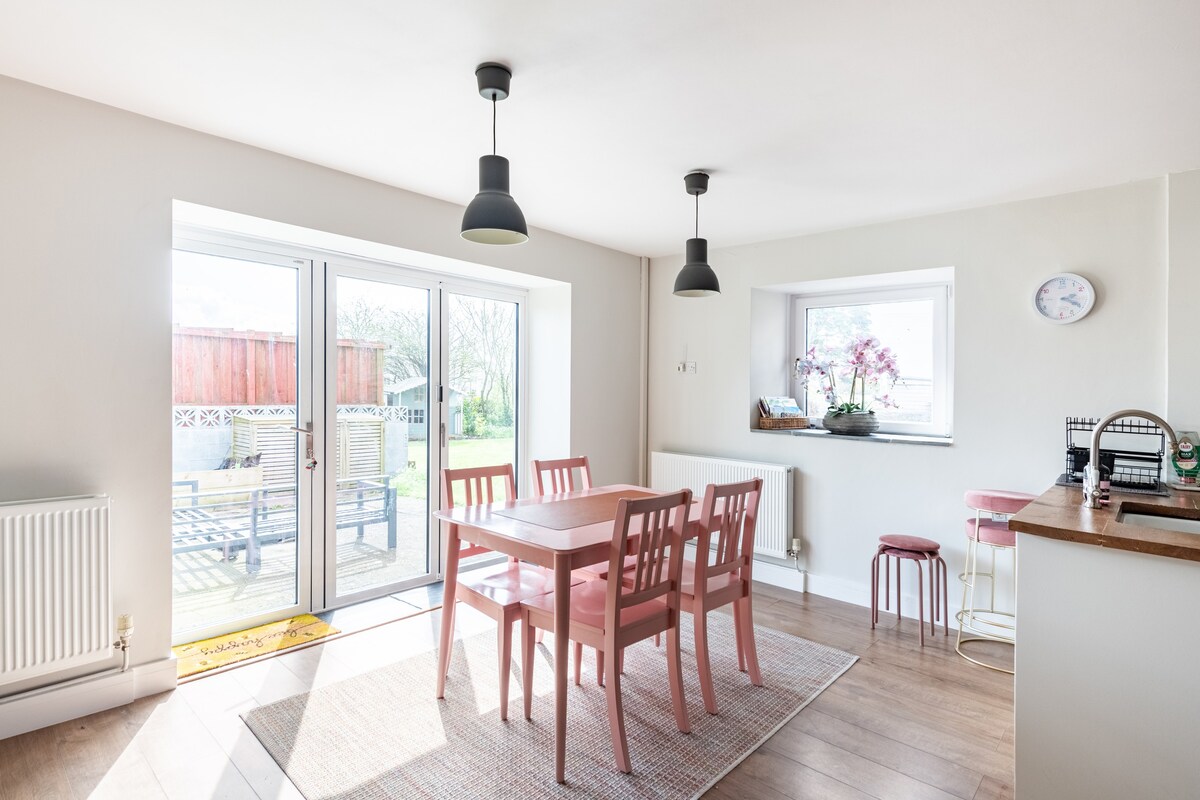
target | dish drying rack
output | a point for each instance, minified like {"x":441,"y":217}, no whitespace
{"x":1136,"y":469}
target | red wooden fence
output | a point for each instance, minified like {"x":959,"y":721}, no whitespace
{"x":224,"y":367}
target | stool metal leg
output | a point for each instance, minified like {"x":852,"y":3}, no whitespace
{"x":968,"y":621}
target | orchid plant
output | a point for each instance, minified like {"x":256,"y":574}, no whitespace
{"x":870,"y":368}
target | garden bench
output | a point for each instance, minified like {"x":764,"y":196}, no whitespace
{"x":269,"y":515}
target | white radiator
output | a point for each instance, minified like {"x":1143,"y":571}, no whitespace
{"x":684,"y":471}
{"x":55,"y":589}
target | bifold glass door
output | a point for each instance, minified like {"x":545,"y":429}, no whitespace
{"x":311,"y":420}
{"x":241,"y":498}
{"x":378,"y":385}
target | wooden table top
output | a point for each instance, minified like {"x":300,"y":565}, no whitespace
{"x":1060,"y":514}
{"x":498,"y":518}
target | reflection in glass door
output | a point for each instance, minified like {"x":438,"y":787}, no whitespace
{"x":240,"y":502}
{"x":379,"y":466}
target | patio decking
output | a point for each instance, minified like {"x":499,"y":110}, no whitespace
{"x":208,"y":590}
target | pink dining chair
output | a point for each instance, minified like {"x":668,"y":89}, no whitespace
{"x":496,"y":591}
{"x":611,"y":615}
{"x":555,"y":476}
{"x":721,"y":576}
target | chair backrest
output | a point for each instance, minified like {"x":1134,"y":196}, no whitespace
{"x":659,"y":535}
{"x":729,"y":512}
{"x":554,"y":476}
{"x":476,"y":486}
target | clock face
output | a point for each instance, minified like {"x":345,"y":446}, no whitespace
{"x":1064,"y":298}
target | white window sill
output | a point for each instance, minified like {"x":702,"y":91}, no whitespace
{"x":894,"y":438}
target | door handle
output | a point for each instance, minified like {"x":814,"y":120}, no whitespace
{"x":310,"y":462}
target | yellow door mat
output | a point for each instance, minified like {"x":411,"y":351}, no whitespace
{"x":221,"y":651}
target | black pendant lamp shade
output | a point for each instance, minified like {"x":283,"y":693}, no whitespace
{"x":493,"y":217}
{"x":697,"y":278}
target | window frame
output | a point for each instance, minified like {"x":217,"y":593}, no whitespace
{"x":941,"y":293}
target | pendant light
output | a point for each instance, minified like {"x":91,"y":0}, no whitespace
{"x":493,"y":217}
{"x":697,"y":278}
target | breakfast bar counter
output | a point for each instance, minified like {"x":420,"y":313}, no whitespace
{"x":1108,"y":653}
{"x":1059,"y":513}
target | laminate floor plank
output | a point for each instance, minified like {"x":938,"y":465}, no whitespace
{"x":992,"y":789}
{"x":952,"y":778}
{"x":852,"y":769}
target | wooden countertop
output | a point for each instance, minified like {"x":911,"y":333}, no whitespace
{"x":1060,"y":514}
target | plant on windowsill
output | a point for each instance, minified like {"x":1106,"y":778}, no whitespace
{"x":871,"y":372}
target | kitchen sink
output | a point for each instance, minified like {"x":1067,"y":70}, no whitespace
{"x":1164,"y":518}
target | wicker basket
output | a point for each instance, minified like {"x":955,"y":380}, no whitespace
{"x":782,"y":423}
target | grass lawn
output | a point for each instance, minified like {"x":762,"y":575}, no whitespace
{"x":463,"y":453}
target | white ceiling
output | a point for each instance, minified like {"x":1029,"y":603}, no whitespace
{"x":810,"y":114}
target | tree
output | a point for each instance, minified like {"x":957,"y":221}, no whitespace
{"x":404,"y":331}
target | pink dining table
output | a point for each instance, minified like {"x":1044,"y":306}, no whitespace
{"x":561,"y":532}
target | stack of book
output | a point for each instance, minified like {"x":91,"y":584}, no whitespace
{"x":777,"y":413}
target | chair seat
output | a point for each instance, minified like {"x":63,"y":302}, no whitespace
{"x":914,"y":555}
{"x":905,"y":542}
{"x":998,"y":501}
{"x":587,"y":605}
{"x":600,"y":571}
{"x":996,"y":534}
{"x":687,"y":583}
{"x":507,"y":585}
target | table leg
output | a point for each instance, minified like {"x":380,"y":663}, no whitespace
{"x":449,"y":585}
{"x":562,"y":622}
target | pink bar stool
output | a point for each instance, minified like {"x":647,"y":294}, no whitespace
{"x":918,"y":550}
{"x":979,"y":622}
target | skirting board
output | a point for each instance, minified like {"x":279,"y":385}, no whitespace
{"x":51,"y":705}
{"x":859,"y":594}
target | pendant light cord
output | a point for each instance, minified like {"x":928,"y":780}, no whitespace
{"x":493,"y":123}
{"x":697,"y":216}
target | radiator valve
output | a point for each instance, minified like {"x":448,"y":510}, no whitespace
{"x":124,"y":634}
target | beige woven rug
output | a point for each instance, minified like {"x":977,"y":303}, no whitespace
{"x":384,"y":735}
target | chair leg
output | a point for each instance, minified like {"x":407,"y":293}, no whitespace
{"x":703,"y":665}
{"x":538,"y":634}
{"x":920,"y":604}
{"x":527,"y":667}
{"x":748,"y":638}
{"x":578,"y":661}
{"x":874,"y":590}
{"x":616,"y":713}
{"x":675,"y":674}
{"x":887,"y":583}
{"x":621,"y":661}
{"x":946,"y":602}
{"x":739,"y":645}
{"x":504,"y":633}
{"x":599,"y":667}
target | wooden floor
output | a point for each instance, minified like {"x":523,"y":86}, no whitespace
{"x":904,"y":722}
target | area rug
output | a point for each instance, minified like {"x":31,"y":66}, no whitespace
{"x":221,"y":651}
{"x":384,"y":735}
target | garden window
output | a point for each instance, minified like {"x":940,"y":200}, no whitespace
{"x":886,"y":350}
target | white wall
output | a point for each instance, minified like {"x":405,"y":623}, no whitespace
{"x":85,"y":308}
{"x":1183,"y":304}
{"x":1016,"y":377}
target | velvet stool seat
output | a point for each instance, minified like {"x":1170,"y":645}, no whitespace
{"x":980,"y":618}
{"x":919,"y":550}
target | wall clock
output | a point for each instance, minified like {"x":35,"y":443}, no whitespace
{"x":1064,"y":298}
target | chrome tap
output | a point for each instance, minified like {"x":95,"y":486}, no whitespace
{"x":1091,"y":474}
